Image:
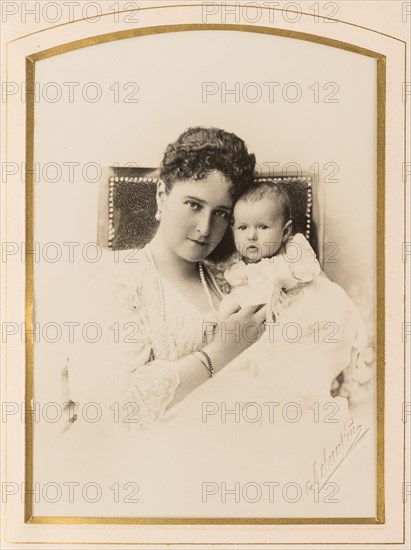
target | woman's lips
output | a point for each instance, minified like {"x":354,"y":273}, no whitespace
{"x":199,"y":243}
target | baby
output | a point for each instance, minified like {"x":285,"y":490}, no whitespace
{"x":272,"y":260}
{"x":313,"y":329}
{"x":262,"y":222}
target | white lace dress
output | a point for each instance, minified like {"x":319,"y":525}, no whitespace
{"x":236,"y":432}
{"x":146,"y":326}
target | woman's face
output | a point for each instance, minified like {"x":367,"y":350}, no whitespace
{"x":195,"y":215}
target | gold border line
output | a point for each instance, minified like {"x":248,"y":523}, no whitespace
{"x":29,"y":256}
{"x":405,"y":284}
{"x":380,"y":286}
{"x":162,"y":29}
{"x":380,"y":149}
{"x":201,"y":5}
{"x":67,"y":520}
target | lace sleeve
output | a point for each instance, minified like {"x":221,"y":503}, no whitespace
{"x":111,"y":364}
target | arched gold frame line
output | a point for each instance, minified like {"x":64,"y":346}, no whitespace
{"x":380,"y":271}
{"x":215,"y":4}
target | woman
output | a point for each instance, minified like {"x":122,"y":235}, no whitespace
{"x":225,"y":448}
{"x":156,"y":311}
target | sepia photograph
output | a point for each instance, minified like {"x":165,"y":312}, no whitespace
{"x":205,"y":273}
{"x":214,"y":294}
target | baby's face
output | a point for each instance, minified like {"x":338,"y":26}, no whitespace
{"x":258,"y":228}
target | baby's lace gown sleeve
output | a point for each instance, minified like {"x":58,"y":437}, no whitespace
{"x":117,"y":370}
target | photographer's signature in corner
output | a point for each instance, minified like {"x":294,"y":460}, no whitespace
{"x":332,"y":459}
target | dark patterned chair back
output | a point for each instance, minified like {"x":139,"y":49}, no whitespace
{"x":132,"y":207}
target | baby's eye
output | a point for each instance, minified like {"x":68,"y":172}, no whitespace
{"x":222,"y":214}
{"x":242,"y":227}
{"x":193,"y":205}
{"x":262,"y":226}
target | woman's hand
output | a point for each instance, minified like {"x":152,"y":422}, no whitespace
{"x":226,"y":308}
{"x":235,"y":332}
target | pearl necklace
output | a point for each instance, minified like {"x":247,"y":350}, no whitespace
{"x":161,"y":288}
{"x":205,"y":285}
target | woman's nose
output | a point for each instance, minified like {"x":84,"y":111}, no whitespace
{"x":204,"y":224}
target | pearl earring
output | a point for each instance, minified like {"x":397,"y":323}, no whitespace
{"x":158,"y":215}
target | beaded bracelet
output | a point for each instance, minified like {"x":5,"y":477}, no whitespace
{"x":208,"y":364}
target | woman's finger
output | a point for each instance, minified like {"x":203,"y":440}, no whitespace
{"x":231,"y":309}
{"x":249,"y":310}
{"x":260,"y":315}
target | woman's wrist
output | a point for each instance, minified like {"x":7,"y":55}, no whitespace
{"x":192,"y":374}
{"x":219,"y":355}
{"x":205,"y":360}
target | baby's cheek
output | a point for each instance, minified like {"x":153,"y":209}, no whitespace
{"x":239,"y":239}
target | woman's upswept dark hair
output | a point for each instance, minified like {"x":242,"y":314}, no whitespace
{"x":199,"y":151}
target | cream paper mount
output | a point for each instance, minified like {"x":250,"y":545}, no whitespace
{"x":315,"y":89}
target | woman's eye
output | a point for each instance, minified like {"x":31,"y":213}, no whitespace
{"x":222,"y":214}
{"x":193,"y":205}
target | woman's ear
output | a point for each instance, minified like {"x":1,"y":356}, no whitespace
{"x":288,"y":229}
{"x":161,"y":194}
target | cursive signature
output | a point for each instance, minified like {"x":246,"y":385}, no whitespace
{"x":332,"y":459}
